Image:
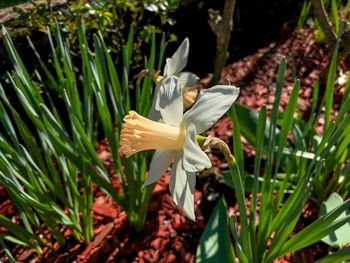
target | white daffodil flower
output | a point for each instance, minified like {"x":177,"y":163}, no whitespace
{"x":172,"y":76}
{"x":175,"y":139}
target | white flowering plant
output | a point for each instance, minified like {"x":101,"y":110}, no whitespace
{"x":173,"y":136}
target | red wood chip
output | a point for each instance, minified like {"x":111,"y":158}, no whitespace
{"x":105,"y":210}
{"x":25,"y":255}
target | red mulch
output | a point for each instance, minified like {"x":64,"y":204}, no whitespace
{"x":256,"y":77}
{"x":169,"y":236}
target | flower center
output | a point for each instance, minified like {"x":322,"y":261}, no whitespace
{"x":140,"y":134}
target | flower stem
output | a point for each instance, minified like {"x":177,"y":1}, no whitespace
{"x":238,"y":182}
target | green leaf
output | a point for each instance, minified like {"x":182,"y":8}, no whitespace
{"x":341,"y":236}
{"x":20,"y":235}
{"x":237,"y":179}
{"x":334,"y":9}
{"x":266,"y":207}
{"x":340,"y":256}
{"x":315,"y":92}
{"x":237,"y":144}
{"x":287,"y":122}
{"x":248,"y":122}
{"x":260,"y":132}
{"x":329,"y":93}
{"x":304,"y":14}
{"x":233,"y":227}
{"x":7,"y":251}
{"x":249,"y":181}
{"x":215,"y":243}
{"x":326,"y":224}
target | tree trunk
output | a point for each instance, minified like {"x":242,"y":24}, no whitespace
{"x":222,"y":26}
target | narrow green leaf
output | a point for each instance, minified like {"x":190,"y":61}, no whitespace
{"x":287,"y":123}
{"x":237,"y":144}
{"x":240,"y":195}
{"x":248,"y":121}
{"x":266,"y":195}
{"x":342,"y":255}
{"x":318,"y":229}
{"x":161,"y":52}
{"x":329,"y":93}
{"x":315,"y":97}
{"x":341,"y":236}
{"x":215,"y":244}
{"x":7,"y":251}
{"x":260,"y":132}
{"x":233,"y":227}
{"x":21,"y":236}
{"x":304,"y":13}
{"x":334,"y":8}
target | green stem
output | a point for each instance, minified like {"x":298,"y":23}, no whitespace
{"x":239,"y":191}
{"x":244,"y":238}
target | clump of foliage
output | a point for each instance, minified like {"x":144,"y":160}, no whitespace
{"x":110,"y":17}
{"x":48,"y":158}
{"x":282,"y":182}
{"x":8,"y":3}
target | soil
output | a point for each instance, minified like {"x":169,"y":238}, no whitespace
{"x":169,"y":236}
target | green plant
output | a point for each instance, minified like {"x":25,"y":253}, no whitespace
{"x":40,"y":178}
{"x":340,"y":237}
{"x":279,"y":209}
{"x":110,"y":17}
{"x":48,"y":158}
{"x":330,"y":22}
{"x":334,"y":176}
{"x":8,"y":3}
{"x":109,"y":90}
{"x":17,"y":235}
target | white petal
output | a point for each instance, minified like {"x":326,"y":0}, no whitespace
{"x":154,"y":113}
{"x":160,"y":162}
{"x":211,"y":104}
{"x":188,"y":79}
{"x":194,"y":159}
{"x":178,"y":61}
{"x":181,"y":186}
{"x":170,"y":102}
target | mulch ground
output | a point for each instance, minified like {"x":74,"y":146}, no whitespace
{"x":169,"y":236}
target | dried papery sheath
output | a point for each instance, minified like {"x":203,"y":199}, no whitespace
{"x":190,"y":95}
